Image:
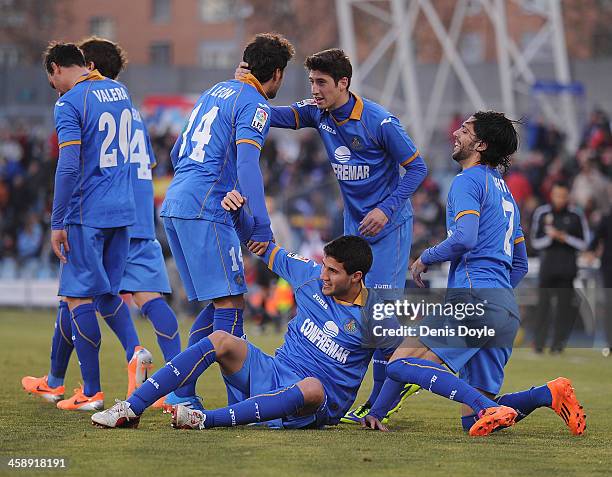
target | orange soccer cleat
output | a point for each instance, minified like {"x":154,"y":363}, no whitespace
{"x":138,"y":368}
{"x":565,"y":404}
{"x":40,"y":387}
{"x":492,"y":418}
{"x":81,"y":402}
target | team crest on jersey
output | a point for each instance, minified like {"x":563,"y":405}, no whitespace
{"x":296,"y":256}
{"x":350,"y":327}
{"x":356,"y":144}
{"x":306,"y":102}
{"x":259,"y":119}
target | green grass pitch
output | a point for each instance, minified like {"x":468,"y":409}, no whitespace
{"x":426,"y":438}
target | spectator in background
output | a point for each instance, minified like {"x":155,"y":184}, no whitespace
{"x":591,"y":188}
{"x":29,"y":243}
{"x":279,"y":224}
{"x":602,"y":247}
{"x":558,"y":232}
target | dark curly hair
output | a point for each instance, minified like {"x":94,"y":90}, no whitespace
{"x":266,"y":53}
{"x":500,"y":135}
{"x":107,"y":56}
{"x":62,"y":54}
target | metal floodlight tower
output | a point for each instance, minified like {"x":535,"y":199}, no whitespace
{"x":515,"y":72}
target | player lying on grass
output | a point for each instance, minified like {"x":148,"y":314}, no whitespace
{"x":486,"y":248}
{"x":314,"y":376}
{"x":366,"y":147}
{"x":145,"y":273}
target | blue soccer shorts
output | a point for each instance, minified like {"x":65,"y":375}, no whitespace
{"x":96,"y":261}
{"x":389,"y":267}
{"x":208,"y":257}
{"x":482,"y":366}
{"x":145,"y":270}
{"x":264,"y":374}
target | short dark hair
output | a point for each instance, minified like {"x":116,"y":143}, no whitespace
{"x":333,"y":62}
{"x":62,"y":54}
{"x":107,"y":56}
{"x":561,"y":183}
{"x":266,"y":53}
{"x":354,"y":253}
{"x":501,"y":137}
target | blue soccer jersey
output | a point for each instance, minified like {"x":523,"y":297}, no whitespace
{"x":328,"y":339}
{"x":97,"y":115}
{"x":365,"y":151}
{"x":480,"y":190}
{"x":229,"y":113}
{"x":143,"y":161}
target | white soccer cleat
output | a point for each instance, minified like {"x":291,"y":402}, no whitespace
{"x":120,"y":415}
{"x":138,"y":368}
{"x":186,"y":418}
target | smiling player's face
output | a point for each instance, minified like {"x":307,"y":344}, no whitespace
{"x":465,"y":140}
{"x":325,"y":91}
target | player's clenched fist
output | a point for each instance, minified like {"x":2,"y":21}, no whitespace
{"x":233,"y":200}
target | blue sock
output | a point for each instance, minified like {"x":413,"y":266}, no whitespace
{"x":86,"y":336}
{"x":117,"y":316}
{"x":61,"y":346}
{"x":525,"y":402}
{"x":183,"y":368}
{"x":201,"y":328}
{"x":230,"y":320}
{"x":387,"y":398}
{"x":202,"y":325}
{"x":165,"y":325}
{"x":260,"y":408}
{"x":439,"y":380}
{"x":468,"y":421}
{"x":379,"y":372}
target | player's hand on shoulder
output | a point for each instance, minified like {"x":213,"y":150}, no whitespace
{"x":233,"y":201}
{"x":59,"y":238}
{"x":370,"y":422}
{"x":258,"y":248}
{"x":242,"y":70}
{"x":416,"y":269}
{"x":373,"y":223}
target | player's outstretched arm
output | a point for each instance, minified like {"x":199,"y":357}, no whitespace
{"x":285,"y":117}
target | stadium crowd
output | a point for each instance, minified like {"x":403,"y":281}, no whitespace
{"x":304,"y":200}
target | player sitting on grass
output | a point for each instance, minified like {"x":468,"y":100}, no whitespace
{"x":486,"y":248}
{"x":314,"y":376}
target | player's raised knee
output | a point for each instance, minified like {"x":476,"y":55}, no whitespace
{"x":313,"y":391}
{"x":222,"y":341}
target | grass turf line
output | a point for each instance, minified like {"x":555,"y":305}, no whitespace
{"x":426,"y":435}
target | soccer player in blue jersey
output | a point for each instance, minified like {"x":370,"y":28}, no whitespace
{"x":366,"y":146}
{"x":93,"y":203}
{"x":313,"y":377}
{"x":145,"y":274}
{"x":217,"y":151}
{"x":486,"y":248}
